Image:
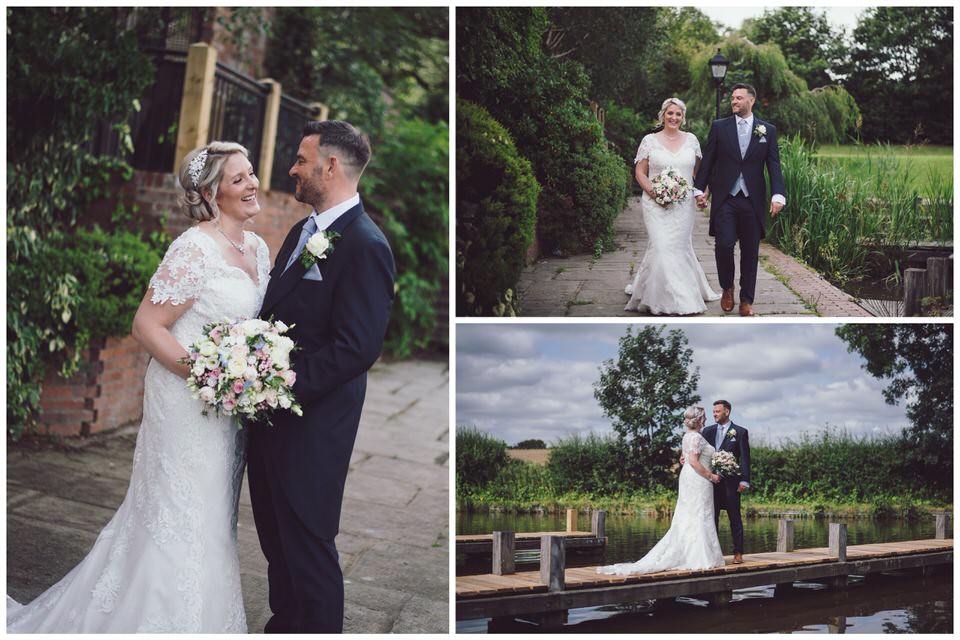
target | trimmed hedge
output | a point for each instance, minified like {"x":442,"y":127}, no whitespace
{"x":496,"y":213}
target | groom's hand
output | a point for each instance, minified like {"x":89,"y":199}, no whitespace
{"x":702,"y":201}
{"x":741,"y":487}
{"x":775,"y":208}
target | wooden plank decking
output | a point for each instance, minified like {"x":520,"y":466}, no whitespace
{"x":524,"y":594}
{"x":480,"y":586}
{"x":482,"y":543}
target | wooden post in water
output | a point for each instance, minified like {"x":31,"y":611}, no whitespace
{"x":942,"y":520}
{"x":552,"y":562}
{"x":838,"y":548}
{"x":914,"y":289}
{"x":504,"y":543}
{"x":939,"y":270}
{"x":838,"y":541}
{"x":598,"y":524}
{"x":785,"y":535}
{"x":571,"y":520}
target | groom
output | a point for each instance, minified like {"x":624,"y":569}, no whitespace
{"x":726,"y":436}
{"x":338,"y":304}
{"x":738,"y":148}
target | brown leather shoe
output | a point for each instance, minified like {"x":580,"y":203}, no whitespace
{"x":726,"y":300}
{"x":745,"y":309}
{"x":738,"y":558}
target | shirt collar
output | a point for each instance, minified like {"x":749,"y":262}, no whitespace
{"x":328,"y":216}
{"x":748,"y":120}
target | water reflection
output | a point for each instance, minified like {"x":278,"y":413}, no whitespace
{"x":894,"y":603}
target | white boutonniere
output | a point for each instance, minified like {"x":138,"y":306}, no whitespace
{"x":760,"y":130}
{"x":318,"y":247}
{"x":732,"y":433}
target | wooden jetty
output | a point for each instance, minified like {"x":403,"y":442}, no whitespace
{"x":487,"y":543}
{"x":545,"y":596}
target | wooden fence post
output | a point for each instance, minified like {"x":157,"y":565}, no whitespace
{"x":785,"y":535}
{"x":571,"y":520}
{"x":268,"y":143}
{"x":942,"y":520}
{"x":914,"y":289}
{"x":598,"y":524}
{"x":937,"y":274}
{"x":552,"y":562}
{"x":194,"y":128}
{"x":504,"y":543}
{"x":838,"y":541}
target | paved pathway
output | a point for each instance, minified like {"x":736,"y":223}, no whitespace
{"x":581,"y":286}
{"x":394,"y":533}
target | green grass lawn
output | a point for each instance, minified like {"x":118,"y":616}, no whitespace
{"x":923,"y":164}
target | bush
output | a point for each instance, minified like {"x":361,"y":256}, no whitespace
{"x":591,"y":465}
{"x":408,"y":181}
{"x":624,"y":130}
{"x":77,"y":288}
{"x":496,"y":211}
{"x":480,"y":457}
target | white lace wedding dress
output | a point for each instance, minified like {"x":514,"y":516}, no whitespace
{"x":669,"y":279}
{"x":167,"y":560}
{"x":691,"y":542}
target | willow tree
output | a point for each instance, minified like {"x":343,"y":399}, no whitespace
{"x":826,"y":114}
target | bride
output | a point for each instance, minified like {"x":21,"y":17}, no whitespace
{"x":669,"y":279}
{"x":167,"y":560}
{"x":691,"y":542}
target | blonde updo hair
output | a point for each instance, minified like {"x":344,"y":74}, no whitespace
{"x":694,"y":418}
{"x":667,"y":103}
{"x":191,"y":199}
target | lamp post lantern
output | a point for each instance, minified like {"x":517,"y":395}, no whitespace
{"x":718,"y":69}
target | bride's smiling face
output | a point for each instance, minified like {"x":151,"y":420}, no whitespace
{"x":673,"y":117}
{"x":237,"y":193}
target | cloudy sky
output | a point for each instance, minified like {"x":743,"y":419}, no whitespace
{"x":521,"y":381}
{"x":733,"y":17}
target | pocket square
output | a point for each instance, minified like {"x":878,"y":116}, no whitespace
{"x":763,"y":140}
{"x":313,"y":273}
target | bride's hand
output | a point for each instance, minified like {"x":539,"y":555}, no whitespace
{"x":714,"y":478}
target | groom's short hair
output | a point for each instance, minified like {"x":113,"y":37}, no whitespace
{"x":724,"y":403}
{"x":744,"y":85}
{"x":353,"y":145}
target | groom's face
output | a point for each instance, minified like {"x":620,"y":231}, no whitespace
{"x":741,"y":102}
{"x":720,"y":413}
{"x":308,"y":172}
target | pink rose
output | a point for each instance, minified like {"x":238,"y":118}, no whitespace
{"x":289,"y":376}
{"x":229,"y":404}
{"x":238,"y":386}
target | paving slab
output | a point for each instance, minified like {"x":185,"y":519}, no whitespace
{"x":394,"y":535}
{"x":586,"y":286}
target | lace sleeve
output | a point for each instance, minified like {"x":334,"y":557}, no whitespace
{"x":643,"y":152}
{"x":693,"y":444}
{"x":180,"y":276}
{"x":696,"y":146}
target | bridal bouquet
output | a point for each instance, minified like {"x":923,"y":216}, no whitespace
{"x":725,"y":464}
{"x":243,"y":367}
{"x":669,"y":187}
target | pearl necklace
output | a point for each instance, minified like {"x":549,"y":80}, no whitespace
{"x":238,"y":247}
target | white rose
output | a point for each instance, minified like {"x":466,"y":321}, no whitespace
{"x":198,"y":368}
{"x":284,"y":401}
{"x":250,"y":373}
{"x":207,"y":394}
{"x":318,"y":244}
{"x":255,"y":326}
{"x":207,"y":348}
{"x":236,"y":368}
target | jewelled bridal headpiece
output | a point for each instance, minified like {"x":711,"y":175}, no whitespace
{"x":195,"y":168}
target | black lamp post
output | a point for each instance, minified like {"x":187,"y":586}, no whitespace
{"x":718,"y":69}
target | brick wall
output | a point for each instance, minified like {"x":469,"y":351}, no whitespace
{"x":107,"y":392}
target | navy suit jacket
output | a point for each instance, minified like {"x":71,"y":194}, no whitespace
{"x":339,"y":324}
{"x":738,"y":445}
{"x":721,"y":165}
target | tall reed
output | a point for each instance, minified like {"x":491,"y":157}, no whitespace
{"x":836,"y":221}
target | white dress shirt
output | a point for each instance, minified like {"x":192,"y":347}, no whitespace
{"x":327,"y":217}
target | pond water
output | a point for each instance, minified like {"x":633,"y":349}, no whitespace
{"x":888,"y":603}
